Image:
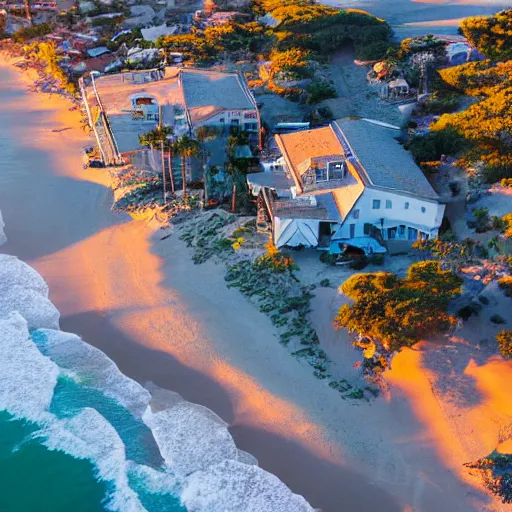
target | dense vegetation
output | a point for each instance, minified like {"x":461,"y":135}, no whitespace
{"x":496,"y":470}
{"x":207,"y":47}
{"x":46,"y":53}
{"x":399,"y":312}
{"x":301,"y":28}
{"x":323,"y":30}
{"x":25,"y":34}
{"x":485,"y":128}
{"x":491,"y":35}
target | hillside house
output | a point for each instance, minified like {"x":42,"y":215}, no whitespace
{"x":350,"y":182}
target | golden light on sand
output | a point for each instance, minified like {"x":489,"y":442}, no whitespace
{"x":255,"y":404}
{"x":115,"y":270}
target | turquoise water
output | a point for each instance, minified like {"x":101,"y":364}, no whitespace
{"x":35,"y":478}
{"x":32,"y":478}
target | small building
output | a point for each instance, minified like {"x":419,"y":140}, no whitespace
{"x":347,"y":182}
{"x":398,"y":88}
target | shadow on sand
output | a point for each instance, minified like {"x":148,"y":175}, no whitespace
{"x":331,"y":487}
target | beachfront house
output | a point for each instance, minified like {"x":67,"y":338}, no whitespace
{"x":133,"y":103}
{"x":350,"y":182}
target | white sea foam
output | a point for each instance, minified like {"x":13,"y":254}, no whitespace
{"x":161,"y":481}
{"x":27,"y":378}
{"x":3,"y":238}
{"x":190,"y":437}
{"x":14,"y":272}
{"x":37,"y":310}
{"x":93,"y":368}
{"x":88,"y":435}
{"x":233,"y":486}
{"x":247,"y":458}
{"x":203,"y":465}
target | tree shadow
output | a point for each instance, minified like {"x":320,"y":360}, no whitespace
{"x":448,"y":359}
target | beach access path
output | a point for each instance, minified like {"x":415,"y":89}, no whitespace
{"x":163,"y":319}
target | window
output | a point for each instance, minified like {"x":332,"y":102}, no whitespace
{"x":336,"y":170}
{"x":376,"y":204}
{"x":321,"y":174}
{"x":367,"y":228}
{"x":388,"y":204}
{"x":401,"y":230}
{"x":355,"y":214}
{"x":406,"y":206}
{"x":423,"y":209}
{"x":251,"y":127}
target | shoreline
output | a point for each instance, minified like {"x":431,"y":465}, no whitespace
{"x":296,"y":427}
{"x":239,"y":402}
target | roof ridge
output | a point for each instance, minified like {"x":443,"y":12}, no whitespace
{"x":353,"y":157}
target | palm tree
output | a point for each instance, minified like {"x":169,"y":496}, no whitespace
{"x":206,"y":134}
{"x":160,"y":138}
{"x":235,"y":165}
{"x":186,"y":148}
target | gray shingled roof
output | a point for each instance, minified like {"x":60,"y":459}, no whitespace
{"x":224,"y":90}
{"x":385,"y":163}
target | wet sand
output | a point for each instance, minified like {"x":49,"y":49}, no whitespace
{"x":165,"y":320}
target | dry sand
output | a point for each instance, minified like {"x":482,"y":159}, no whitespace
{"x":162,"y":319}
{"x":410,"y":18}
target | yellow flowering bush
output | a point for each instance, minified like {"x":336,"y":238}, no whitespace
{"x":275,"y":260}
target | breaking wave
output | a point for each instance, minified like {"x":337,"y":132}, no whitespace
{"x":155,"y":451}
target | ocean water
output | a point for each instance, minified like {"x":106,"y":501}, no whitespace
{"x":78,"y":435}
{"x":35,"y":478}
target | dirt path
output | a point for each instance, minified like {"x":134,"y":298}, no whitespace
{"x":355,"y":97}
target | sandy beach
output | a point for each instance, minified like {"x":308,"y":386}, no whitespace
{"x":164,"y":320}
{"x":410,"y":18}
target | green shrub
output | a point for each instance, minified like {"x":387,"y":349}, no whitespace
{"x":430,"y":147}
{"x":325,"y":283}
{"x":468,"y":311}
{"x":496,"y":173}
{"x":25,"y":34}
{"x":438,"y":106}
{"x":505,"y":283}
{"x":373,"y":51}
{"x":319,"y":91}
{"x":504,"y":339}
{"x":497,"y":319}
